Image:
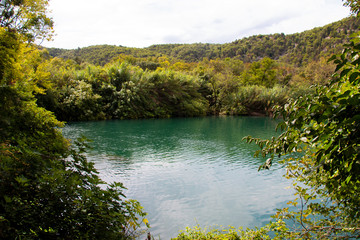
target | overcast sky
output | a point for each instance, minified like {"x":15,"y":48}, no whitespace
{"x":141,"y":23}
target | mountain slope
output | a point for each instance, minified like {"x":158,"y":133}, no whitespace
{"x":298,"y":48}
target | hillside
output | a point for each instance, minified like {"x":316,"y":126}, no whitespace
{"x":100,"y":54}
{"x":295,"y":48}
{"x":298,"y":48}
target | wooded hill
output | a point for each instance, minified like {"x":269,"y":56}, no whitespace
{"x":297,"y":49}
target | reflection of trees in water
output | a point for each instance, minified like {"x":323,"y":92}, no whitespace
{"x":180,"y":168}
{"x":204,"y":139}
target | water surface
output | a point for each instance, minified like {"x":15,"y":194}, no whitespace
{"x":189,"y":171}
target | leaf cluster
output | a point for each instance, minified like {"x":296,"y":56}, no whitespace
{"x":221,"y":234}
{"x":48,"y":190}
{"x":28,"y":18}
{"x":320,"y":140}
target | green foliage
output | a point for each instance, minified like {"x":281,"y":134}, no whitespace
{"x":27,"y":18}
{"x":297,"y":49}
{"x":255,"y":100}
{"x":321,"y":142}
{"x":121,"y":90}
{"x":45,"y":196}
{"x":9,"y":47}
{"x":278,"y":67}
{"x":138,"y":88}
{"x":319,"y":145}
{"x":261,"y":73}
{"x":314,"y":73}
{"x":354,"y":6}
{"x":79,"y":102}
{"x":226,"y":234}
{"x":100,"y":54}
{"x":48,"y":190}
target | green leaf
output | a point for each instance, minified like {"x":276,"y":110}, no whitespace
{"x":344,"y":72}
{"x":354,"y":76}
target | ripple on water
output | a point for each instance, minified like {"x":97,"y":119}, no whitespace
{"x":186,"y":172}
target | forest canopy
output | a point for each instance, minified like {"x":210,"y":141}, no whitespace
{"x":298,"y":48}
{"x":246,"y":77}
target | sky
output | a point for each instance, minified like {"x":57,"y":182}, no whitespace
{"x":142,"y":23}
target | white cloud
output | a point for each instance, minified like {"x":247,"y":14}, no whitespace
{"x":140,"y":23}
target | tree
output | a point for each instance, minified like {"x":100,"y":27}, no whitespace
{"x":261,"y":73}
{"x":26,"y":17}
{"x":320,"y":146}
{"x":354,"y":6}
{"x":9,"y":47}
{"x":48,"y":190}
{"x":320,"y":143}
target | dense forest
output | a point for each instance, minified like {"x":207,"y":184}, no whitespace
{"x":298,"y":48}
{"x":246,"y":77}
{"x":48,"y":189}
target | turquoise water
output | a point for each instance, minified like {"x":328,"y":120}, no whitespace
{"x":189,"y":171}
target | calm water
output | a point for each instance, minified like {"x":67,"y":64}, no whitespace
{"x":189,"y":171}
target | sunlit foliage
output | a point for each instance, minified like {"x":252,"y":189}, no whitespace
{"x":48,"y":190}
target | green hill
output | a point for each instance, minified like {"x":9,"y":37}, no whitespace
{"x":298,"y":48}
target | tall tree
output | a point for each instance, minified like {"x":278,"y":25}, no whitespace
{"x":320,"y":147}
{"x":48,"y":190}
{"x":26,"y":17}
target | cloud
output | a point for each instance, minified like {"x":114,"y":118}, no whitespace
{"x":140,"y":23}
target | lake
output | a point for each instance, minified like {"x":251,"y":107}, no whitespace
{"x":189,"y":171}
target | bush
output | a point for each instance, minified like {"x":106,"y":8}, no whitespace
{"x":48,"y":190}
{"x":254,"y":100}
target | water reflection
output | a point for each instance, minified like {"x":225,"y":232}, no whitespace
{"x":189,"y":171}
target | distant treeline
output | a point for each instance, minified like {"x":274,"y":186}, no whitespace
{"x":298,"y":48}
